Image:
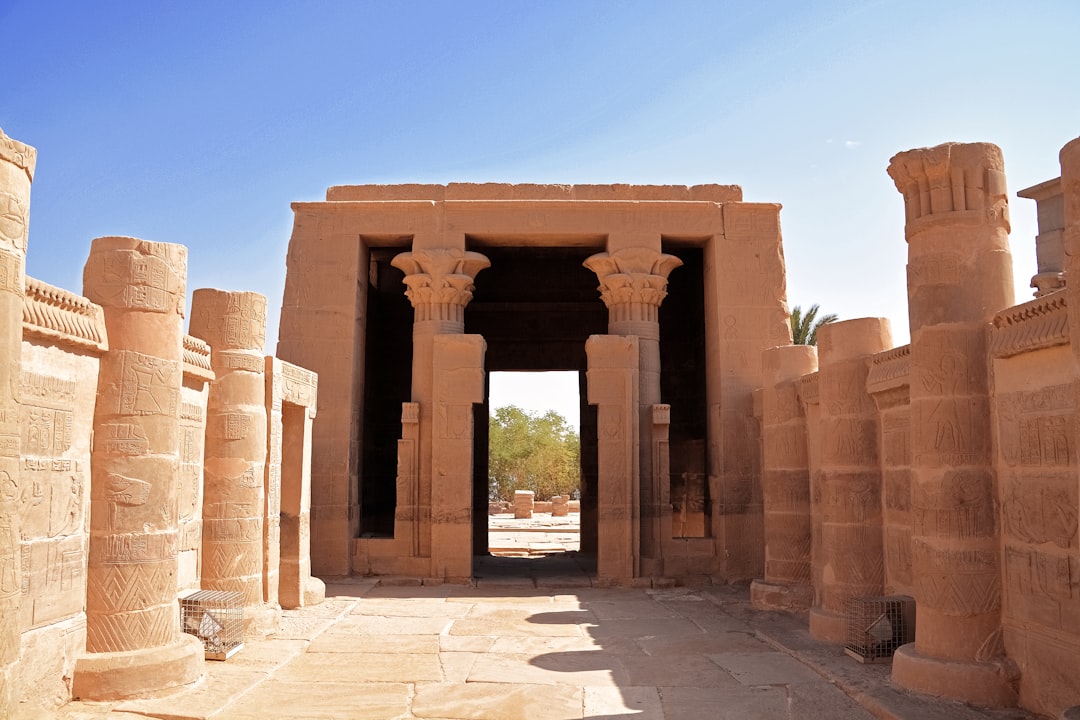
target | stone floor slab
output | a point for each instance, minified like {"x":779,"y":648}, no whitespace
{"x":497,"y":701}
{"x":362,"y":668}
{"x":404,"y":607}
{"x":764,"y":668}
{"x":322,"y":701}
{"x":219,"y":687}
{"x":457,"y":666}
{"x":633,"y":703}
{"x":744,"y":703}
{"x":592,"y":667}
{"x":677,"y":671}
{"x":506,"y":628}
{"x":378,"y":625}
{"x":334,"y":641}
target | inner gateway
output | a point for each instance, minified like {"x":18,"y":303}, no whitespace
{"x":535,"y":307}
{"x":661,"y":299}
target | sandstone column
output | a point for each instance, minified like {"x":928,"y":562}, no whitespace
{"x":133,"y":626}
{"x":959,"y":275}
{"x":785,"y":482}
{"x":234,"y":324}
{"x":849,"y":482}
{"x":16,"y":174}
{"x":633,"y":283}
{"x":440,"y":285}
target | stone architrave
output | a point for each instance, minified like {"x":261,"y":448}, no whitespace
{"x":133,"y":636}
{"x":613,"y":387}
{"x":849,"y":484}
{"x":234,"y":324}
{"x":439,"y":284}
{"x":959,"y":276}
{"x":459,"y":384}
{"x":633,"y":284}
{"x":17,"y":163}
{"x":785,"y":482}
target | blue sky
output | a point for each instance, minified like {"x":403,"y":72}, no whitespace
{"x":199,"y":122}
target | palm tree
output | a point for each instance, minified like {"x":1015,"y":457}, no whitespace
{"x":804,"y":329}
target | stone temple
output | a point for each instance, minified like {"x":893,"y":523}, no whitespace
{"x":141,"y":460}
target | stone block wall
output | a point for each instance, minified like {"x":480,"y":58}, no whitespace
{"x":63,"y":337}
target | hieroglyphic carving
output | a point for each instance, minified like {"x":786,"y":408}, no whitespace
{"x":1038,"y":428}
{"x":137,"y":275}
{"x":11,"y":274}
{"x":959,"y":508}
{"x":1041,"y":509}
{"x":122,"y":439}
{"x":141,"y":384}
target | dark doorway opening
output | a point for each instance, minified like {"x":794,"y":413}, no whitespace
{"x":536,"y":307}
{"x":387,"y":383}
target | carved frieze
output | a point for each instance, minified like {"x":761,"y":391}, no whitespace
{"x":63,"y":317}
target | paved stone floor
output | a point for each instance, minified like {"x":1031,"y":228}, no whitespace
{"x":542,"y":534}
{"x":534,"y":640}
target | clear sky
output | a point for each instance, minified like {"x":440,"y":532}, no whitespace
{"x":199,"y":122}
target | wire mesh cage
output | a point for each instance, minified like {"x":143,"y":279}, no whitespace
{"x":216,"y":617}
{"x":877,"y":626}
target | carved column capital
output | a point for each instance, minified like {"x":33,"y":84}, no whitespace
{"x":440,"y":281}
{"x":952,"y":184}
{"x":633,"y":283}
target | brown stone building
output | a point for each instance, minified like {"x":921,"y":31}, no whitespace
{"x":505,"y":277}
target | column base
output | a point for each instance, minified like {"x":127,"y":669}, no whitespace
{"x":767,"y":595}
{"x":828,"y":626}
{"x":989,"y":684}
{"x":137,"y":673}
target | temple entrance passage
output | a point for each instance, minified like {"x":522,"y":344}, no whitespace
{"x":534,"y":464}
{"x":535,"y":309}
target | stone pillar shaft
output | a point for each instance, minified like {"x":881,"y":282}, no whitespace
{"x":16,"y":175}
{"x":633,"y":284}
{"x":851,"y":553}
{"x":785,"y":482}
{"x":234,"y":324}
{"x":613,"y":388}
{"x":459,"y":384}
{"x":132,"y":623}
{"x":439,"y":285}
{"x":959,"y":275}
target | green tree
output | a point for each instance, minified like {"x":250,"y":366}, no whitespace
{"x":805,"y":326}
{"x":534,"y":452}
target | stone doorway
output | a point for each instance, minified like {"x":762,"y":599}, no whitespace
{"x":534,"y":446}
{"x":535,"y":308}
